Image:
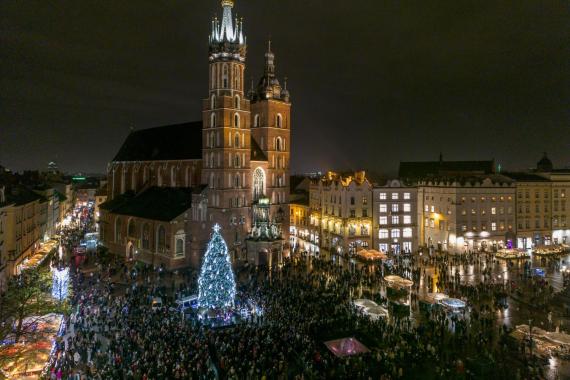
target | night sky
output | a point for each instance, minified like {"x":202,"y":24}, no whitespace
{"x":372,"y":82}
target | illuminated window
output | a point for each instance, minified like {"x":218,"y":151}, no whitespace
{"x":382,"y":196}
{"x":407,"y":232}
{"x":256,"y":120}
{"x":383,"y":233}
{"x":383,"y":220}
{"x":383,"y":207}
{"x":395,"y":219}
{"x":407,"y":219}
{"x":395,"y":207}
{"x":279,"y":121}
{"x":395,"y":233}
{"x":493,"y":210}
{"x":394,"y":195}
{"x":407,"y":207}
{"x":406,"y":195}
{"x":493,"y":226}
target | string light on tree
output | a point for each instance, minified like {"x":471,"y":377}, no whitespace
{"x":216,"y":284}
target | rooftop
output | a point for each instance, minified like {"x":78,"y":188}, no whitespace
{"x":170,"y":142}
{"x":155,"y":203}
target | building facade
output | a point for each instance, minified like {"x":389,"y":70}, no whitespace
{"x":467,"y":213}
{"x":236,"y":156}
{"x":395,"y":217}
{"x":343,"y":209}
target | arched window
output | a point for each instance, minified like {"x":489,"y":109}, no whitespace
{"x":256,"y":120}
{"x":213,"y":120}
{"x":173,"y":171}
{"x":179,"y":243}
{"x":213,"y":101}
{"x":161,"y":239}
{"x":236,"y":120}
{"x":213,"y":84}
{"x":159,"y":177}
{"x":258,"y":183}
{"x":236,"y":77}
{"x":118,"y":230}
{"x":134,"y":175}
{"x":237,"y":102}
{"x":225,"y":76}
{"x":212,"y":160}
{"x":237,"y":181}
{"x":145,"y":236}
{"x":145,"y":175}
{"x":279,"y":121}
{"x":236,"y":140}
{"x":278,"y":144}
{"x":237,"y":161}
{"x":131,"y":229}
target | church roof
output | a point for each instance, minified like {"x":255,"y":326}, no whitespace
{"x":256,"y":153}
{"x":155,"y":203}
{"x":170,"y":142}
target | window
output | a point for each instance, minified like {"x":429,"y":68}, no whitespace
{"x":279,"y":121}
{"x":383,"y":207}
{"x":407,"y":232}
{"x":352,"y":200}
{"x":278,"y":144}
{"x":395,"y":219}
{"x":383,"y":233}
{"x":382,"y":196}
{"x":463,"y":212}
{"x":395,"y":207}
{"x":256,"y":120}
{"x":473,"y":212}
{"x":407,"y":219}
{"x":146,"y":236}
{"x":225,"y":76}
{"x":395,"y":196}
{"x":383,"y":220}
{"x":131,"y":230}
{"x":407,"y":196}
{"x":179,"y":247}
{"x":161,"y":239}
{"x":363,"y":230}
{"x":213,"y":120}
{"x":395,"y":233}
{"x":118,"y":230}
{"x":213,"y":101}
{"x":407,"y":207}
{"x":493,"y":226}
{"x":383,"y":247}
{"x":352,"y":213}
{"x":236,"y":120}
{"x":236,"y":140}
{"x":364,"y":201}
{"x":236,"y":102}
{"x":493,"y":210}
{"x":364,"y":213}
{"x":432,"y":208}
{"x":426,"y":208}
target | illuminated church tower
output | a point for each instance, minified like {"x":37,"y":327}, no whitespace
{"x":226,"y":138}
{"x":271,"y":117}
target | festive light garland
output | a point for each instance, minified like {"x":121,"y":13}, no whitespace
{"x":60,"y":283}
{"x":216,"y":284}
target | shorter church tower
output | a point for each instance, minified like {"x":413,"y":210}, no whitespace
{"x":270,"y":128}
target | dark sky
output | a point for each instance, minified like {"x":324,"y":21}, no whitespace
{"x":372,"y":82}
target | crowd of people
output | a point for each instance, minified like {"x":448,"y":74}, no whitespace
{"x":114,"y":333}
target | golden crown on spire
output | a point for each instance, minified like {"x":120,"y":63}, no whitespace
{"x":227,"y":3}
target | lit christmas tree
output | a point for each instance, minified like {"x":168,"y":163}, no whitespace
{"x":216,"y":285}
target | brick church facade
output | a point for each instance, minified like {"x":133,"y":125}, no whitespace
{"x":168,"y":185}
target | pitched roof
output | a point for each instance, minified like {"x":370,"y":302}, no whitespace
{"x":170,"y":142}
{"x":436,"y":168}
{"x":256,"y":153}
{"x":155,"y":203}
{"x":526,"y":177}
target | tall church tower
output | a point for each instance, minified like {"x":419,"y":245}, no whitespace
{"x":271,"y":118}
{"x":226,"y":137}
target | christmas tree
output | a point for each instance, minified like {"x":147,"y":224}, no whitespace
{"x":216,"y":284}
